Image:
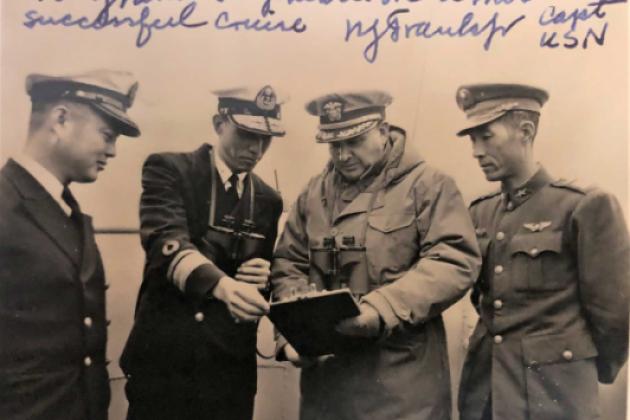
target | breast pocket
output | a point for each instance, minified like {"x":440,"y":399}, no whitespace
{"x":535,"y":259}
{"x":392,"y":239}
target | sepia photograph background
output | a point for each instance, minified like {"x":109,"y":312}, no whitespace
{"x":583,"y":130}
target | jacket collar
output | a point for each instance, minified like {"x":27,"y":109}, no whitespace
{"x":517,"y":196}
{"x":43,"y":209}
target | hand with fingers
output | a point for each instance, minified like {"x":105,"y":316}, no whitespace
{"x":255,"y":272}
{"x":243,"y":300}
{"x":367,"y":324}
{"x":302,"y":361}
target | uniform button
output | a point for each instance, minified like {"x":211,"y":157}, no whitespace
{"x":498,"y":269}
{"x":334,"y":231}
{"x":87,"y":361}
{"x":498,"y":304}
{"x":509,"y":206}
{"x":87,"y":321}
{"x":498,"y":339}
{"x":533,"y":252}
{"x":567,"y":355}
{"x":500,"y":236}
{"x":199,"y":317}
{"x":106,"y":286}
{"x":109,"y":321}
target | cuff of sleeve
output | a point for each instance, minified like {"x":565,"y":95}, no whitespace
{"x":202,"y":280}
{"x":384,"y":309}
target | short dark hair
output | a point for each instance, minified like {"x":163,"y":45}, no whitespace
{"x":517,"y":116}
{"x":38,"y":110}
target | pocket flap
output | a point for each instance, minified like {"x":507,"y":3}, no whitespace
{"x":389,"y":222}
{"x":536,"y":243}
{"x":555,"y":348}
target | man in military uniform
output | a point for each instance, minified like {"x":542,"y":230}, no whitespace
{"x":208,"y":226}
{"x":53,"y":330}
{"x":420,"y":257}
{"x":553,"y":290}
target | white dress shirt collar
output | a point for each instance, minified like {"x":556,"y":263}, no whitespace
{"x":225,"y":173}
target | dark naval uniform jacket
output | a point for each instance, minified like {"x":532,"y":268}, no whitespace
{"x":553,"y":301}
{"x":185,"y":344}
{"x":52,"y":307}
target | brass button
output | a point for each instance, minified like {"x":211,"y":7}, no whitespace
{"x":498,"y":269}
{"x":567,"y":355}
{"x":498,"y":339}
{"x":87,"y":321}
{"x":87,"y":362}
{"x":498,"y":304}
{"x":500,"y":236}
{"x":533,"y":252}
{"x":199,"y":316}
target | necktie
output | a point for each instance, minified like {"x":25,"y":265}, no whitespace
{"x":232,"y":192}
{"x":69,"y":199}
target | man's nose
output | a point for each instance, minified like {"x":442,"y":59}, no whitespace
{"x":343,"y":152}
{"x":479,"y":149}
{"x":110,"y":150}
{"x":256,"y":146}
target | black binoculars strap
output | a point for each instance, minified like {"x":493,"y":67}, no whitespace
{"x":213,"y":192}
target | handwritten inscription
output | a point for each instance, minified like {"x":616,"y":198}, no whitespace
{"x":106,"y":17}
{"x":584,"y":24}
{"x":468,"y":27}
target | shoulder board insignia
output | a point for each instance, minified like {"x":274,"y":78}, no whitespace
{"x":569,"y":185}
{"x":484,"y":197}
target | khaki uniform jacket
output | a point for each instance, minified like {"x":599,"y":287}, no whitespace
{"x":553,"y":300}
{"x":421,"y":256}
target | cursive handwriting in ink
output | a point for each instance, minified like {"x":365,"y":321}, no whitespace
{"x":575,"y":19}
{"x":467,"y":27}
{"x":259,"y":24}
{"x":145,"y":23}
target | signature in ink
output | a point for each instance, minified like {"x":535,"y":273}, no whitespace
{"x":392,"y":27}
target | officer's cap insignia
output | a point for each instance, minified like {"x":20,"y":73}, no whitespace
{"x":266,"y":99}
{"x":464,"y":98}
{"x":333,"y":110}
{"x":537,"y":227}
{"x":170,"y":247}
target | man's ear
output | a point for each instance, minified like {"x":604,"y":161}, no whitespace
{"x":217,"y":123}
{"x":384,"y":128}
{"x":528,"y":130}
{"x":58,"y":119}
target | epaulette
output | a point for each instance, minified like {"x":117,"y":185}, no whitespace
{"x":569,"y":185}
{"x":484,"y":197}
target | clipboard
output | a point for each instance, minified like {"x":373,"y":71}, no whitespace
{"x":308,"y":321}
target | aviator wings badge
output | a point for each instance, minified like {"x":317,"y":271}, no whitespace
{"x":537,"y":227}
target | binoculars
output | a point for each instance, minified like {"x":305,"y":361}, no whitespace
{"x":232,"y":246}
{"x":333,"y":267}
